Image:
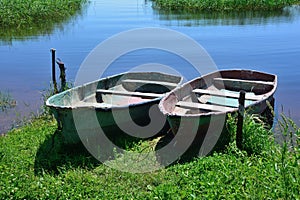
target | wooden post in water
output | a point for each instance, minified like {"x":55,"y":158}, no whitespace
{"x":240,"y":122}
{"x":62,"y":75}
{"x":53,"y":71}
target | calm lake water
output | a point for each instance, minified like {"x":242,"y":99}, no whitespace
{"x":261,"y":41}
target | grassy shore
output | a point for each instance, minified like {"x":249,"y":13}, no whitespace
{"x":222,"y":5}
{"x":34,"y":164}
{"x":16,"y":13}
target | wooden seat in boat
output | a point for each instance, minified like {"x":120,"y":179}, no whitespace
{"x":128,"y":93}
{"x":249,"y":96}
{"x":194,"y":105}
{"x":167,"y":84}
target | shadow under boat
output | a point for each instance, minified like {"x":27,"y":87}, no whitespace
{"x":53,"y":154}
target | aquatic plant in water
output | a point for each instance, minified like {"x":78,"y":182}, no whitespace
{"x":6,"y":101}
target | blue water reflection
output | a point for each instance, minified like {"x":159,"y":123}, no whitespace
{"x":263,"y":41}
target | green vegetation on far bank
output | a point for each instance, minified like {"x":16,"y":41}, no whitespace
{"x":22,"y":19}
{"x":223,"y":5}
{"x":18,"y":14}
{"x":34,"y":164}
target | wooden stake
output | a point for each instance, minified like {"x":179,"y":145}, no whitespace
{"x":240,"y":122}
{"x":62,"y":75}
{"x":53,"y":71}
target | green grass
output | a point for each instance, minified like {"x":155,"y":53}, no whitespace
{"x":223,"y":5}
{"x":34,"y":164}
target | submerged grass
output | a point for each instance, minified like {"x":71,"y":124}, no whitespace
{"x":223,"y":5}
{"x":34,"y":164}
{"x":6,"y":101}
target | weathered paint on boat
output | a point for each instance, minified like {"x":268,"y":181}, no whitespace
{"x":108,"y":98}
{"x":202,"y":104}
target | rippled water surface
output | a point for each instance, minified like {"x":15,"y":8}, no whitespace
{"x":261,"y":41}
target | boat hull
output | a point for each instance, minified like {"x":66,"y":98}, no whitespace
{"x":74,"y":132}
{"x":211,"y":128}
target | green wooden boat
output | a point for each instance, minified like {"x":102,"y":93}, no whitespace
{"x":197,"y":110}
{"x":110,"y":104}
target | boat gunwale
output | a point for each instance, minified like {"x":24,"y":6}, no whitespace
{"x":148,"y":101}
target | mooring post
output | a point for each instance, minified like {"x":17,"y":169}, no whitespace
{"x":240,"y":122}
{"x":62,"y":75}
{"x":53,"y":71}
